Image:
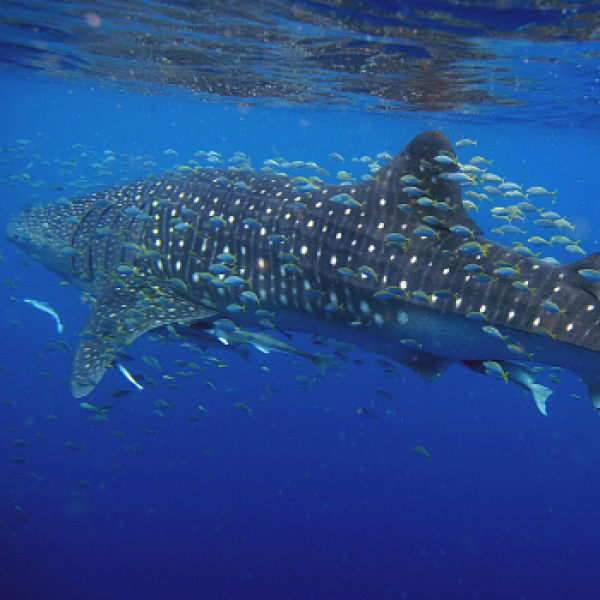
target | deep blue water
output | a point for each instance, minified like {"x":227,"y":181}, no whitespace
{"x":306,"y":498}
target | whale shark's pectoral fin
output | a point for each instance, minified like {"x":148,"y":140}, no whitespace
{"x":121,"y":314}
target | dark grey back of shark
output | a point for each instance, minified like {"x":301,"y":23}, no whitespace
{"x":395,"y":265}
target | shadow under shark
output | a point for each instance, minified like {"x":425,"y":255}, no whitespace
{"x":380,"y":264}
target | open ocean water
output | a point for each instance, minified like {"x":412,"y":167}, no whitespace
{"x":257,"y":477}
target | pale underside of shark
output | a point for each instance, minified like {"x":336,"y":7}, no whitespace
{"x":380,"y":264}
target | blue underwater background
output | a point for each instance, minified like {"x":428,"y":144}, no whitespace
{"x":305,"y":498}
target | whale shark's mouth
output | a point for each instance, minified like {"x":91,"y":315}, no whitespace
{"x":43,"y":234}
{"x":29,"y":232}
{"x":16,"y":230}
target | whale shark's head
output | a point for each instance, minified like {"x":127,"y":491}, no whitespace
{"x":45,"y":233}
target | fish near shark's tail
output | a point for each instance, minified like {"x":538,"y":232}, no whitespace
{"x":540,"y":395}
{"x":521,"y":376}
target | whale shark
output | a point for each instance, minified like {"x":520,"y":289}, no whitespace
{"x":394,"y":265}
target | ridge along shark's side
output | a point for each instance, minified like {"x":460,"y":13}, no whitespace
{"x":380,"y":264}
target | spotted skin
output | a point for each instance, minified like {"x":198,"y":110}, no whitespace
{"x":161,"y":237}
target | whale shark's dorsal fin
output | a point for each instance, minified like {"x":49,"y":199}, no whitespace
{"x":121,"y":314}
{"x":418,"y":159}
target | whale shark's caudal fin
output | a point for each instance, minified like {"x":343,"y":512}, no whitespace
{"x":121,"y":314}
{"x":595,"y":398}
{"x":592,"y":380}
